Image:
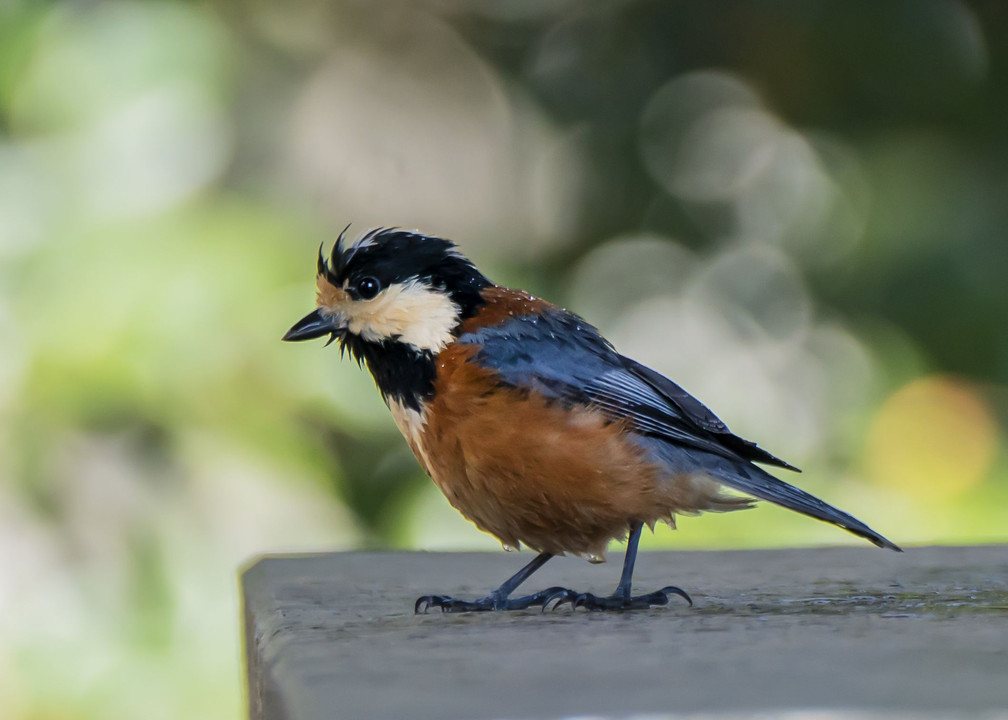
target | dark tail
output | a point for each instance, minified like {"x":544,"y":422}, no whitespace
{"x":757,"y":482}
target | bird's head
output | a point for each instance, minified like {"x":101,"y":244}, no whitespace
{"x":392,"y":288}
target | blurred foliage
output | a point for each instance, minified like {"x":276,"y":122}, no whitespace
{"x":795,"y":209}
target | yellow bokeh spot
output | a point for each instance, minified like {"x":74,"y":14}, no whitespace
{"x":933,"y":438}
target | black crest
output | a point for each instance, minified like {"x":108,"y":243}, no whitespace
{"x":392,"y":255}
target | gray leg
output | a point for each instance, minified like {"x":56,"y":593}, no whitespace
{"x":500,"y":598}
{"x":622,"y":599}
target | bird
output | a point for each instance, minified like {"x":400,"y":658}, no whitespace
{"x":531,"y":423}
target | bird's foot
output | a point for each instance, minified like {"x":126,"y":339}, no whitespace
{"x":493,"y":602}
{"x":620,"y":601}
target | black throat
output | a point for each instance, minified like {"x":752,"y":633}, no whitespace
{"x":402,"y":372}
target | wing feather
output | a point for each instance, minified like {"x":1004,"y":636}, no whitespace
{"x":560,"y":355}
{"x":563,"y":357}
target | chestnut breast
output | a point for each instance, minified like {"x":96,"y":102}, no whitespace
{"x":528,"y":471}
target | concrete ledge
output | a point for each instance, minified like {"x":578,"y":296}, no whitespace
{"x":858,"y":631}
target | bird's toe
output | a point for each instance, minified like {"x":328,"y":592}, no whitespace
{"x":618,"y":602}
{"x":449,"y":604}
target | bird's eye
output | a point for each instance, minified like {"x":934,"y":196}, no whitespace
{"x":368,"y":287}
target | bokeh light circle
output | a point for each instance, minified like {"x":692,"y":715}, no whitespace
{"x":934,"y":438}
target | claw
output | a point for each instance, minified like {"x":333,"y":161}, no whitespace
{"x":540,"y":598}
{"x":676,"y":591}
{"x":561,"y":596}
{"x":425,"y":603}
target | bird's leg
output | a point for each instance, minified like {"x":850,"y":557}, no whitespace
{"x":500,"y":598}
{"x":622,"y":599}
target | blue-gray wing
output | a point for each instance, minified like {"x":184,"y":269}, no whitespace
{"x":563,"y":357}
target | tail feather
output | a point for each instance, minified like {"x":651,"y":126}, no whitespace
{"x":757,"y":482}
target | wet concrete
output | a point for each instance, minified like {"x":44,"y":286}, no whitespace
{"x":847,"y":631}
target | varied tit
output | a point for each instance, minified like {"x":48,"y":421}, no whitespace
{"x":529,"y":421}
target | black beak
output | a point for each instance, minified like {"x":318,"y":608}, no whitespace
{"x":313,"y":325}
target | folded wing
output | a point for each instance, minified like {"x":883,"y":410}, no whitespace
{"x":561,"y":356}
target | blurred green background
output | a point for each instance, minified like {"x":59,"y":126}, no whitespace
{"x":796,"y":209}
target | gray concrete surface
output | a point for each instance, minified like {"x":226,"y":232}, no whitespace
{"x":843,"y":632}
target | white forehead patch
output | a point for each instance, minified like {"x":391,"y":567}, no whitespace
{"x":411,"y":312}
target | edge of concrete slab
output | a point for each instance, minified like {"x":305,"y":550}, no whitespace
{"x":336,"y":631}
